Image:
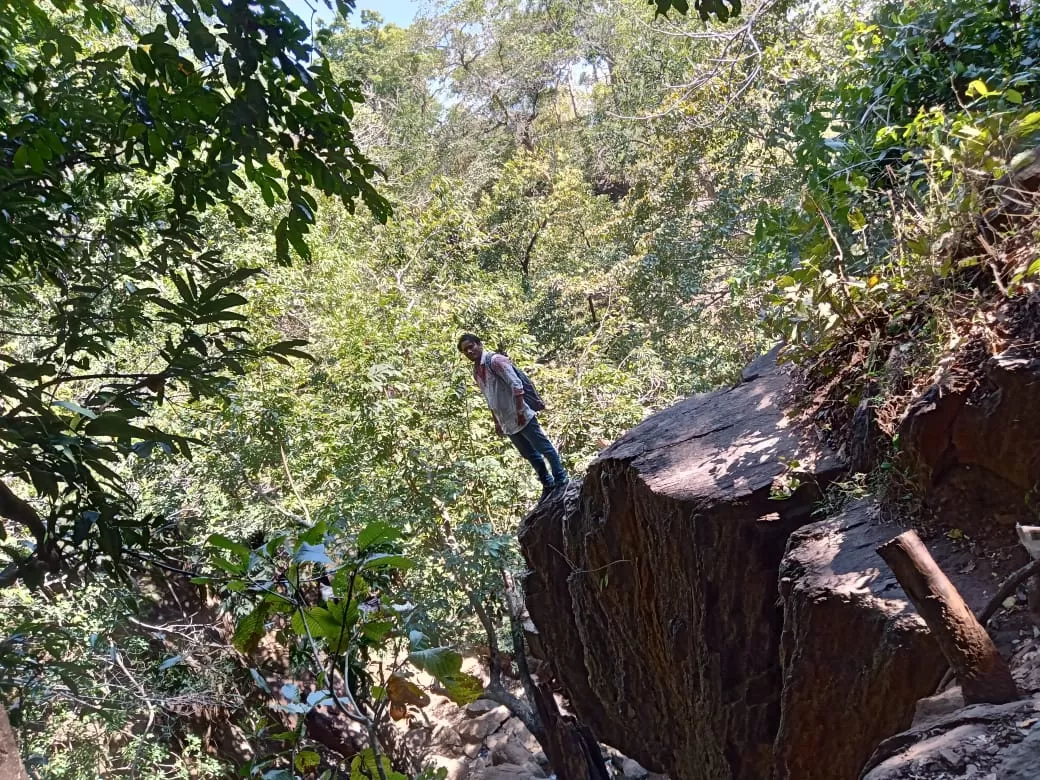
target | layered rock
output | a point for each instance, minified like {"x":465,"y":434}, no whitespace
{"x":978,"y":742}
{"x":654,"y":584}
{"x":981,"y":742}
{"x":856,"y":657}
{"x":976,"y":444}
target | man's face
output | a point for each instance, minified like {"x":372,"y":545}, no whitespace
{"x":472,"y":350}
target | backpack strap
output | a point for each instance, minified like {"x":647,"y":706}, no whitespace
{"x":490,"y":364}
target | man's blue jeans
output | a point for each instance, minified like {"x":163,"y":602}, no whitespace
{"x":535,"y":446}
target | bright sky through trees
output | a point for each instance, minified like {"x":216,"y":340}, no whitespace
{"x":400,"y":12}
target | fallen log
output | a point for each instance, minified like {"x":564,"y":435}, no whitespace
{"x":982,"y":672}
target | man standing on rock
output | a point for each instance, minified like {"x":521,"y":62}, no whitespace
{"x":500,"y":383}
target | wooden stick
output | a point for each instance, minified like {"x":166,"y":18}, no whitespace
{"x":981,"y":670}
{"x":1007,"y":588}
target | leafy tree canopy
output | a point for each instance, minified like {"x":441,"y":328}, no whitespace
{"x":121,"y":135}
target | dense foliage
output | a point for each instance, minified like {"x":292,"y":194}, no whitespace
{"x":631,"y":200}
{"x":121,"y":134}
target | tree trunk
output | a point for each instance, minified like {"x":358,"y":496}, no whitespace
{"x":981,"y":670}
{"x":571,"y":748}
{"x":10,"y":759}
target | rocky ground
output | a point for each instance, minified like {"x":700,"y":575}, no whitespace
{"x":484,"y":741}
{"x":948,"y":740}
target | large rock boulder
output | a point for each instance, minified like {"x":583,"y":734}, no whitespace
{"x":977,"y":742}
{"x":654,"y":583}
{"x":856,"y":657}
{"x":981,"y":742}
{"x":974,"y":442}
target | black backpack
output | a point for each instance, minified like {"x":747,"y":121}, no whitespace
{"x":531,"y":397}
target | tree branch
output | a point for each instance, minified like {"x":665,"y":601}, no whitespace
{"x":22,"y":512}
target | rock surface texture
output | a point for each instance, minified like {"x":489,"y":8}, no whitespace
{"x":976,"y":445}
{"x":654,"y":584}
{"x":855,"y":654}
{"x":982,"y":742}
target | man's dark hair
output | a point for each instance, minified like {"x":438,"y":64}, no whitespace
{"x":468,"y":337}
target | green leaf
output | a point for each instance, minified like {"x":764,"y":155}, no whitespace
{"x":312,"y":553}
{"x":387,"y":561}
{"x":237,"y":549}
{"x":1028,"y":124}
{"x":978,"y":88}
{"x":261,"y":683}
{"x":250,"y":629}
{"x":463,"y":688}
{"x":170,"y":662}
{"x":31,"y":371}
{"x":111,"y":540}
{"x":156,"y":145}
{"x":376,"y":630}
{"x":222,"y":303}
{"x":307,"y":760}
{"x":288,"y":349}
{"x":376,"y":533}
{"x":114,"y":424}
{"x":440,"y":662}
{"x":290,"y":691}
{"x":1013,"y":96}
{"x":364,"y":767}
{"x":326,"y":624}
{"x":74,"y":407}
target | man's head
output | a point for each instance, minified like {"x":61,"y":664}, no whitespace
{"x":471,"y":346}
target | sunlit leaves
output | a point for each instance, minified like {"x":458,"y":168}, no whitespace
{"x":445,"y":665}
{"x":124,"y":135}
{"x":250,"y":629}
{"x":721,"y":9}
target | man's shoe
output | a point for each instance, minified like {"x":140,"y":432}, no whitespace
{"x":547,"y":489}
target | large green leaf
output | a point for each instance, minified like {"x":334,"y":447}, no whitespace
{"x":250,"y":629}
{"x":376,"y":533}
{"x":440,"y":662}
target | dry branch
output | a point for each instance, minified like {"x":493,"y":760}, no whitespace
{"x":983,"y":673}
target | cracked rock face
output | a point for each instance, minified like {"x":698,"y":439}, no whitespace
{"x":982,"y":742}
{"x":856,"y":656}
{"x":654,"y":584}
{"x":977,"y":450}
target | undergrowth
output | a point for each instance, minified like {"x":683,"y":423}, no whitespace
{"x":910,"y":257}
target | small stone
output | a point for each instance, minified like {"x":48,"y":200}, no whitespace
{"x":509,"y":751}
{"x":509,"y":772}
{"x":480,"y":707}
{"x":515,"y":728}
{"x":445,"y":736}
{"x":476,"y":730}
{"x":632,"y":769}
{"x":952,"y":757}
